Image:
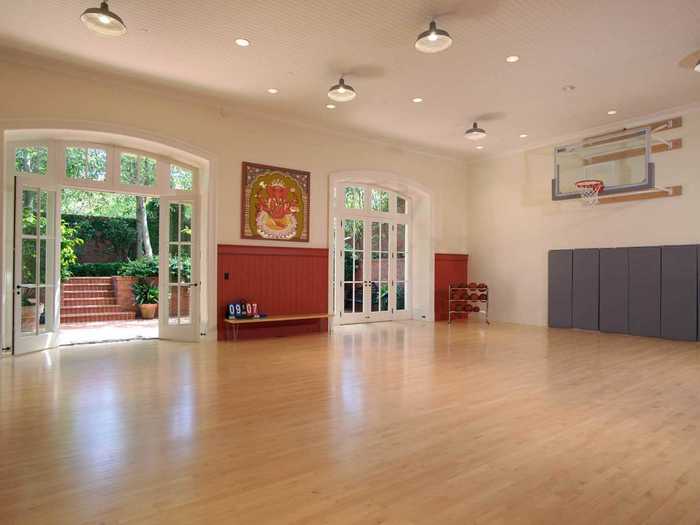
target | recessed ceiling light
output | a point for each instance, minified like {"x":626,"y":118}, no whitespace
{"x":273,"y":91}
{"x":523,"y":135}
{"x":697,"y":66}
{"x":612,"y":112}
{"x":103,"y":21}
{"x":330,"y":106}
{"x":417,"y":100}
{"x":475,"y":133}
{"x":512,"y":59}
{"x":342,"y":92}
{"x":568,"y":88}
{"x":242,"y":42}
{"x":479,"y":147}
{"x":433,"y":40}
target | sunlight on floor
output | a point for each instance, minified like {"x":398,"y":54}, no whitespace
{"x":108,"y":331}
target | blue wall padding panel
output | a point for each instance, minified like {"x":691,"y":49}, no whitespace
{"x":645,"y":291}
{"x":559,"y":288}
{"x":585,"y":289}
{"x":679,"y":292}
{"x":614,"y":287}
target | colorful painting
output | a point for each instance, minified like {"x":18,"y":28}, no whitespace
{"x":275,"y":203}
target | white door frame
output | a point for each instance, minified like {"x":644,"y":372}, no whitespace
{"x":176,"y":324}
{"x":25,"y":342}
{"x":45,"y":131}
{"x":392,"y":218}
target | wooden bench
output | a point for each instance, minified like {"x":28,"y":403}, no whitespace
{"x":236,"y":323}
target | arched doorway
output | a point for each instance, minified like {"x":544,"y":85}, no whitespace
{"x":381,"y":248}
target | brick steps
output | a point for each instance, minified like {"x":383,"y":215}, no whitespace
{"x":92,"y":318}
{"x":91,"y":299}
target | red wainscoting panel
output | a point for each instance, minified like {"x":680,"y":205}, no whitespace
{"x":280,"y":280}
{"x":449,"y":268}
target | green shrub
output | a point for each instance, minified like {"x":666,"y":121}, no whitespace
{"x":107,"y":269}
{"x":143,"y":267}
{"x":145,"y":292}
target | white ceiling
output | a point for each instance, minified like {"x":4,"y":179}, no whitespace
{"x":620,"y":54}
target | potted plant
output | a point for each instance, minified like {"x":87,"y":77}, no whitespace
{"x":146,"y":297}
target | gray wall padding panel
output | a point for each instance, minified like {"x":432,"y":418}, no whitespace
{"x":559,"y":288}
{"x":679,"y":292}
{"x":585,"y":289}
{"x":645,"y":291}
{"x":614,"y":286}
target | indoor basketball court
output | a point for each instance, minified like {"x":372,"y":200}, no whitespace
{"x":398,"y":262}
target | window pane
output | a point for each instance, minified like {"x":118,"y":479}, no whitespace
{"x":29,"y":212}
{"x":32,"y":159}
{"x":400,"y":296}
{"x":358,"y":266}
{"x":400,"y":237}
{"x":43,"y":325}
{"x":174,"y":222}
{"x":385,"y":237}
{"x":96,"y":164}
{"x":347,"y":234}
{"x":75,"y":163}
{"x":380,"y":200}
{"x":172,"y":305}
{"x":347,"y":298}
{"x":375,"y":297}
{"x":358,"y":297}
{"x":28,"y":261}
{"x":173,"y":258}
{"x":28,"y":299}
{"x":359,"y":235}
{"x":186,"y":222}
{"x":400,"y":205}
{"x":87,"y":164}
{"x":185,"y":263}
{"x":400,"y":266}
{"x":148,"y":171}
{"x":44,"y":214}
{"x":348,"y":262}
{"x":375,"y":236}
{"x":384,"y":296}
{"x":128,"y":168}
{"x":354,"y":198}
{"x":180,"y":178}
{"x":375,"y":266}
{"x":385,"y":267}
{"x":140,"y":171}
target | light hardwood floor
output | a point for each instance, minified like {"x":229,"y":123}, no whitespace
{"x":393,"y":423}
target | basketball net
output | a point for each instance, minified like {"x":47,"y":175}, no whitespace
{"x":589,"y":190}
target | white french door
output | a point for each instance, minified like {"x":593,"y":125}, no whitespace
{"x":371,"y":270}
{"x":37,"y":263}
{"x":179,"y":285}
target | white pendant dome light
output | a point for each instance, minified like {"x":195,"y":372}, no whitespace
{"x":103,"y":21}
{"x":475,"y":133}
{"x":342,"y":92}
{"x":433,"y":40}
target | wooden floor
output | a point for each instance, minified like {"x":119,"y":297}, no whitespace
{"x":394,"y":423}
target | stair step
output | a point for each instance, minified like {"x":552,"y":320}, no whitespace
{"x":82,"y":301}
{"x":91,"y":309}
{"x":89,"y":280}
{"x":78,"y":294}
{"x":91,"y":318}
{"x":102,"y":287}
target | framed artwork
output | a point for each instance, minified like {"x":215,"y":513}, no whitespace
{"x":275,"y":203}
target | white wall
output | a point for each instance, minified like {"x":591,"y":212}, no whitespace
{"x":513,"y":222}
{"x":35,"y":92}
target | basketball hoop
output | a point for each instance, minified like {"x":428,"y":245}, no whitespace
{"x":589,"y":190}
